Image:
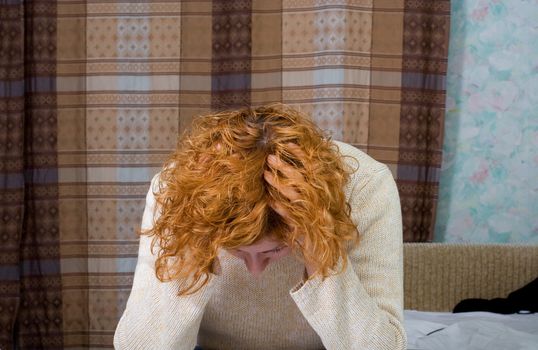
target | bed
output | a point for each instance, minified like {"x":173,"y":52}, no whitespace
{"x":437,"y":276}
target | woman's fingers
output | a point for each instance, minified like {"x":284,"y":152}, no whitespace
{"x":296,"y":150}
{"x":280,"y":209}
{"x":286,"y":169}
{"x":287,"y":191}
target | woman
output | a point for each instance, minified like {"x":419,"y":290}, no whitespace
{"x":262,"y":233}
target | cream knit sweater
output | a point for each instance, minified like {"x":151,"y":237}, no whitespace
{"x":361,"y":308}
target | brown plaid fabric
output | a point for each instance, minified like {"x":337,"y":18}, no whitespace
{"x":94,"y":93}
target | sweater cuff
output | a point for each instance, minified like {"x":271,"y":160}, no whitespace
{"x":175,"y":318}
{"x":317,"y":302}
{"x":304,"y":289}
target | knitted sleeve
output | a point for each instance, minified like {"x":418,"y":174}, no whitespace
{"x":155,"y":317}
{"x":362,"y":307}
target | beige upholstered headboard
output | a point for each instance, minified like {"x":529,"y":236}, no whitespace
{"x":438,"y":275}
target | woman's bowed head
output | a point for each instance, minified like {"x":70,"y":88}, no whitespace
{"x":260,"y":183}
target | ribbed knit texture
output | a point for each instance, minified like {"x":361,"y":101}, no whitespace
{"x":439,"y":275}
{"x":361,"y":308}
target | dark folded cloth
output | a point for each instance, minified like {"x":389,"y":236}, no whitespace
{"x":523,"y":300}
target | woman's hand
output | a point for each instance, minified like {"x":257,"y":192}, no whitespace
{"x":287,"y":191}
{"x":216,"y":268}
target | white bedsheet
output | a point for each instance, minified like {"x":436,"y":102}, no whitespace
{"x":470,"y":331}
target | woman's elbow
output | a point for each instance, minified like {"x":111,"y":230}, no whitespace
{"x":400,"y":336}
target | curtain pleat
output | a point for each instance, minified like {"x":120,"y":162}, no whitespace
{"x":31,"y":273}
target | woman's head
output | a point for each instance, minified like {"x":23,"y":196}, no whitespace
{"x":213,"y":194}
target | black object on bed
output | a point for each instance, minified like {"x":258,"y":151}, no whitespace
{"x":523,"y":300}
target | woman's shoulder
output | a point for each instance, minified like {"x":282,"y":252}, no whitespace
{"x":363,"y":164}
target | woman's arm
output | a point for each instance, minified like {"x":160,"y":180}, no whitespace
{"x":155,"y":317}
{"x":362,"y":308}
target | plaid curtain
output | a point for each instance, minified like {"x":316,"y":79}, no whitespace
{"x":94,"y":93}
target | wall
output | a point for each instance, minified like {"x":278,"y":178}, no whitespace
{"x":489,"y":179}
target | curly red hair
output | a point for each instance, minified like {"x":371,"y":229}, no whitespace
{"x":212,"y":193}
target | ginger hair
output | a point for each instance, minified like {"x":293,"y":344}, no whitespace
{"x":212,"y":194}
